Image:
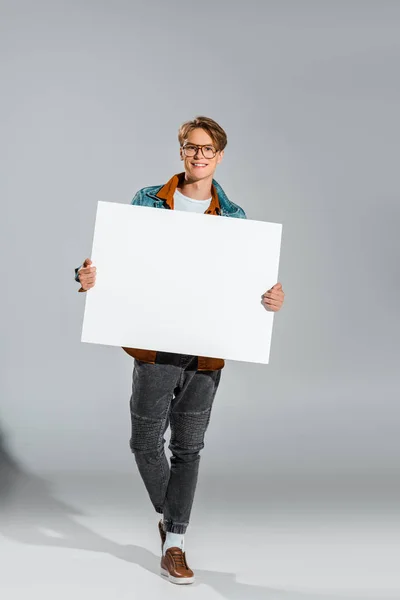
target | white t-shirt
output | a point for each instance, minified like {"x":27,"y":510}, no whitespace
{"x":182,"y":202}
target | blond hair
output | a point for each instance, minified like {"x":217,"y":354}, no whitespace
{"x":215,"y":131}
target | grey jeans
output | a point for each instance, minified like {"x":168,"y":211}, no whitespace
{"x":171,"y":392}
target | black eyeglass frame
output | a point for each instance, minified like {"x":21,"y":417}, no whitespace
{"x":199,"y":147}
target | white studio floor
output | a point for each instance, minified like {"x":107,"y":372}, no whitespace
{"x":80,"y":536}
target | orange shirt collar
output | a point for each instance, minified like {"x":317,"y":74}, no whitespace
{"x":168,"y":190}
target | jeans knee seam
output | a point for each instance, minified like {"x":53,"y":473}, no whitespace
{"x":192,"y":412}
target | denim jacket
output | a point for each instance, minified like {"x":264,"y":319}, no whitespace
{"x":162,"y":196}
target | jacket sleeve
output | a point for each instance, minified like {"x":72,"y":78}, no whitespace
{"x":76,"y":279}
{"x":76,"y":273}
{"x":240,"y":214}
{"x":137,"y":198}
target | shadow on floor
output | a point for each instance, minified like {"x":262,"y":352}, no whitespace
{"x":31,"y":515}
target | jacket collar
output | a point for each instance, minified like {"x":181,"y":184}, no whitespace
{"x":167,"y":192}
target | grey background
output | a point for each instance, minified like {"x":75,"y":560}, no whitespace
{"x":92,"y":97}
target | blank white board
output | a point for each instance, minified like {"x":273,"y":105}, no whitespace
{"x":181,"y":282}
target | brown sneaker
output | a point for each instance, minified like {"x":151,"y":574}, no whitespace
{"x":163,"y":535}
{"x":175,"y":567}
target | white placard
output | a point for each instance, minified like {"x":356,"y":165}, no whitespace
{"x":182,"y":282}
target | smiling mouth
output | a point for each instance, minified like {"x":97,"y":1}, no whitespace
{"x":199,"y":165}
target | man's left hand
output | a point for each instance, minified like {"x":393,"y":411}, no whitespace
{"x":272,"y":300}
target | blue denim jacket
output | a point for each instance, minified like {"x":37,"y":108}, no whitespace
{"x":147,"y":196}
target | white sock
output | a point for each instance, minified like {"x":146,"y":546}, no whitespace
{"x":174,"y":540}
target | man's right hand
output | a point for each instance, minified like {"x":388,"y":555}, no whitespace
{"x":87,"y":275}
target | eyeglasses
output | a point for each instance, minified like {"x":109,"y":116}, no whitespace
{"x":206,"y":150}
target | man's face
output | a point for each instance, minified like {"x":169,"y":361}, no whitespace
{"x":197,"y":166}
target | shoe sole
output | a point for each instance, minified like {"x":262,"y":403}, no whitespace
{"x":177,"y":580}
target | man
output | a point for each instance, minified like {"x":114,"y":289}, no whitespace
{"x":175,"y":389}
